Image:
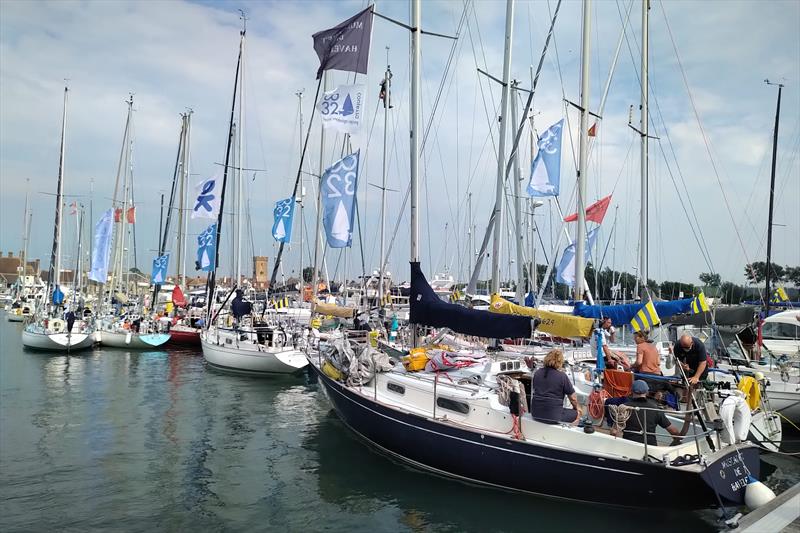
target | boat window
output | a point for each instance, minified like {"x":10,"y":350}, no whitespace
{"x":452,"y":405}
{"x":780,"y":330}
{"x":394,"y":387}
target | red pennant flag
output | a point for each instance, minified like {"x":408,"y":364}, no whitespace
{"x":177,"y":297}
{"x":131,"y":215}
{"x":595,"y":212}
{"x":117,"y":214}
{"x":593,"y":130}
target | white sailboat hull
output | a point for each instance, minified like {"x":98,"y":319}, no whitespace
{"x":60,"y":342}
{"x":251,"y":358}
{"x":130,"y":340}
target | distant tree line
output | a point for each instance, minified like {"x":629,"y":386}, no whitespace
{"x":608,"y":284}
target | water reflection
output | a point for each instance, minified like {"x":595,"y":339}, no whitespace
{"x":358,"y":479}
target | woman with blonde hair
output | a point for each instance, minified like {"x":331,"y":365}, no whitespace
{"x":550,"y":385}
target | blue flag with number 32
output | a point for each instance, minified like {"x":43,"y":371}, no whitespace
{"x":339,"y":185}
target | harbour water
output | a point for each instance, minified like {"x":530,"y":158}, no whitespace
{"x":145,"y":441}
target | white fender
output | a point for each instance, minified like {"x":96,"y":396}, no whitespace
{"x":128,"y":337}
{"x":735,"y":415}
{"x":757,"y":494}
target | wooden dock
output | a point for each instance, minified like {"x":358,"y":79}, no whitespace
{"x":780,"y":515}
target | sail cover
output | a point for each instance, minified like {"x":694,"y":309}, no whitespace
{"x":557,"y":324}
{"x":333,"y":310}
{"x":722,"y":316}
{"x":622,"y":314}
{"x":427,"y":309}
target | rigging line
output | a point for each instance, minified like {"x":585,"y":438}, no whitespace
{"x":422,"y":149}
{"x":480,"y":85}
{"x":705,"y":139}
{"x":692,"y":215}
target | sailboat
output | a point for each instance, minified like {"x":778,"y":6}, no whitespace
{"x":252,"y":346}
{"x":51,"y":329}
{"x":465,"y":427}
{"x":121,"y":326}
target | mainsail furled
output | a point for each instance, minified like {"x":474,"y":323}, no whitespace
{"x":427,"y":309}
{"x":333,"y":310}
{"x":557,"y":324}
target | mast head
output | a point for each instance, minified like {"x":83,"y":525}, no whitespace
{"x":243,"y":18}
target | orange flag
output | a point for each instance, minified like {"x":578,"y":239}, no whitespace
{"x":593,"y":130}
{"x":131,"y":215}
{"x":117,"y":214}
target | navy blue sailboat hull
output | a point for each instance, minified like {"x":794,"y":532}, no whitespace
{"x":527,"y":467}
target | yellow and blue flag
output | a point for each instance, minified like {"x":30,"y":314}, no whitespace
{"x":646,"y":318}
{"x":780,"y":295}
{"x":699,"y":304}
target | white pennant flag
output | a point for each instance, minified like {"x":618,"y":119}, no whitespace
{"x":206,"y":204}
{"x":342,"y":108}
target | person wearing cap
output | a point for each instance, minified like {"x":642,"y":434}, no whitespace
{"x":653,"y":418}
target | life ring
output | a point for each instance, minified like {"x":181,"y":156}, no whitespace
{"x":57,"y":325}
{"x":736,"y":418}
{"x":278,"y":339}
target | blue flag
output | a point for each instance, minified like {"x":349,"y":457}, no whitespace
{"x":207,"y":249}
{"x":546,"y":168}
{"x":566,"y":268}
{"x":339,"y":185}
{"x":284,"y":214}
{"x":102,"y":247}
{"x":160,"y":265}
{"x":58,"y":296}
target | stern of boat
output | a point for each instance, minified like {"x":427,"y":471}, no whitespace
{"x":727,"y":472}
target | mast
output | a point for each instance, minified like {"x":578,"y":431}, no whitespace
{"x":387,"y":85}
{"x":299,"y":95}
{"x":314,"y":276}
{"x":54,"y":280}
{"x":176,"y":176}
{"x":180,"y":265}
{"x":239,"y":182}
{"x":25,"y":231}
{"x":184,"y":220}
{"x":580,"y":238}
{"x":212,"y":278}
{"x":415,"y":120}
{"x":772,"y":195}
{"x":120,"y":270}
{"x":643,"y":223}
{"x":501,"y":156}
{"x":518,"y":206}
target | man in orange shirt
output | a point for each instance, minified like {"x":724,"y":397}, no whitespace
{"x":647,"y":358}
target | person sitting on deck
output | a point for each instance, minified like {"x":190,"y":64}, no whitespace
{"x":549,"y":386}
{"x":608,"y":335}
{"x":652,"y":417}
{"x":647,"y":358}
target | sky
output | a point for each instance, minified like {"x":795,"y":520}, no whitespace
{"x":710,"y":109}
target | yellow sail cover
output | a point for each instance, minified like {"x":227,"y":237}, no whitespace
{"x":556,"y":324}
{"x":333,"y":310}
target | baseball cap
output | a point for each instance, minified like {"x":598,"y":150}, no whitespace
{"x":640,"y":387}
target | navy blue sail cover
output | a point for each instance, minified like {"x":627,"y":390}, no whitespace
{"x":427,"y":309}
{"x":622,"y":314}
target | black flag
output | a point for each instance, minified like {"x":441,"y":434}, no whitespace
{"x":346,"y":46}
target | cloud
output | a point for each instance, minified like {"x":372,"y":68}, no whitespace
{"x":177,"y":55}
